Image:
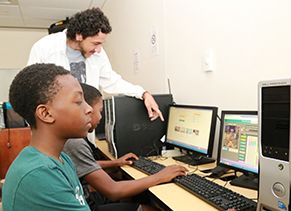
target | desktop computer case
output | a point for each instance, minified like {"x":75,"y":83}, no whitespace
{"x":274,"y":137}
{"x":129,"y":129}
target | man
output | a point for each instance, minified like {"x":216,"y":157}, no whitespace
{"x":79,"y":49}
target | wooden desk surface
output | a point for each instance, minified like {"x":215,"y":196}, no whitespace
{"x":171,"y":194}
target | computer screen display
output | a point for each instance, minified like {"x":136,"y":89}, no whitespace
{"x":238,"y":141}
{"x":192,"y":128}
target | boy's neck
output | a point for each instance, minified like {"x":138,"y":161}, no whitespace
{"x":47,"y":144}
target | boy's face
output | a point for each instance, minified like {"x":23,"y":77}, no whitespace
{"x":96,"y":114}
{"x":69,"y":109}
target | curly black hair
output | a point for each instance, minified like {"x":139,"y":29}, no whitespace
{"x":35,"y":84}
{"x":91,"y":94}
{"x":88,"y":23}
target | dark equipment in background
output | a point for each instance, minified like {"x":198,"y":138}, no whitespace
{"x":129,"y":129}
{"x":58,"y":26}
{"x":100,"y":130}
{"x":11,"y":118}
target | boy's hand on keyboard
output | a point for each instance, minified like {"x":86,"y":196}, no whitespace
{"x":170,"y":172}
{"x":126,"y":159}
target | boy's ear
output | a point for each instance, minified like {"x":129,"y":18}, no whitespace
{"x":43,"y":113}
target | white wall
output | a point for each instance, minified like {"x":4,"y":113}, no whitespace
{"x":132,"y":21}
{"x":6,"y":77}
{"x":250,"y":41}
{"x":15,"y":47}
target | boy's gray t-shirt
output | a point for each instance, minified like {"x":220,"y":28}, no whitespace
{"x":82,"y":156}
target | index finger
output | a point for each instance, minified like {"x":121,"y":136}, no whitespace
{"x":159,"y":114}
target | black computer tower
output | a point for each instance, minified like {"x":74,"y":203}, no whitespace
{"x":129,"y":129}
{"x":100,"y":130}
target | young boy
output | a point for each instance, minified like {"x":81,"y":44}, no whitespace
{"x":90,"y":172}
{"x":42,"y":177}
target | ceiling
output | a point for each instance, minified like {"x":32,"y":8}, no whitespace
{"x":40,"y":13}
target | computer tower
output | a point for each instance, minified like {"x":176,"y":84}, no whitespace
{"x":100,"y":130}
{"x":109,"y":125}
{"x":128,"y":127}
{"x":274,"y":147}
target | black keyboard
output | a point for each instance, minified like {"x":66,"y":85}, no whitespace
{"x":216,"y":195}
{"x":147,"y":166}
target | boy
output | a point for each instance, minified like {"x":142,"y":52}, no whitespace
{"x":91,"y":172}
{"x":42,"y":177}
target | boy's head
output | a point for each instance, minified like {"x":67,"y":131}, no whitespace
{"x":34,"y":85}
{"x":94,"y":98}
{"x":50,"y":95}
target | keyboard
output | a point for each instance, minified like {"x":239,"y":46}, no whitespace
{"x":216,"y":195}
{"x":147,"y":166}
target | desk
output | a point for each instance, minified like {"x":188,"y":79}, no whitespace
{"x":170,"y":194}
{"x":18,"y":138}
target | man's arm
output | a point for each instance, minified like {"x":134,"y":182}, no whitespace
{"x":112,"y":83}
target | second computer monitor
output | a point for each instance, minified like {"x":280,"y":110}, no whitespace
{"x":238,"y":146}
{"x":192,"y":128}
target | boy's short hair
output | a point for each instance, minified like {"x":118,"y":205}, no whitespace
{"x":88,"y":23}
{"x":35,"y":84}
{"x":91,"y":94}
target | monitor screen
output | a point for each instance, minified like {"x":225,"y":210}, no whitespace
{"x":192,"y":128}
{"x":238,"y":141}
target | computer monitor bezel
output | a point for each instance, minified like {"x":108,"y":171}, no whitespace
{"x":235,"y":112}
{"x":211,"y":139}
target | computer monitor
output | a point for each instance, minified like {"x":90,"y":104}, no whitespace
{"x":238,"y":146}
{"x":192,"y":128}
{"x":11,"y":118}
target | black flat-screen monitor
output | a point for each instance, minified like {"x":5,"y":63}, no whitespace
{"x":192,"y":128}
{"x":238,"y":146}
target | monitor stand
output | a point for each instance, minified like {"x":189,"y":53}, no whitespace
{"x":246,"y":181}
{"x":194,"y":159}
